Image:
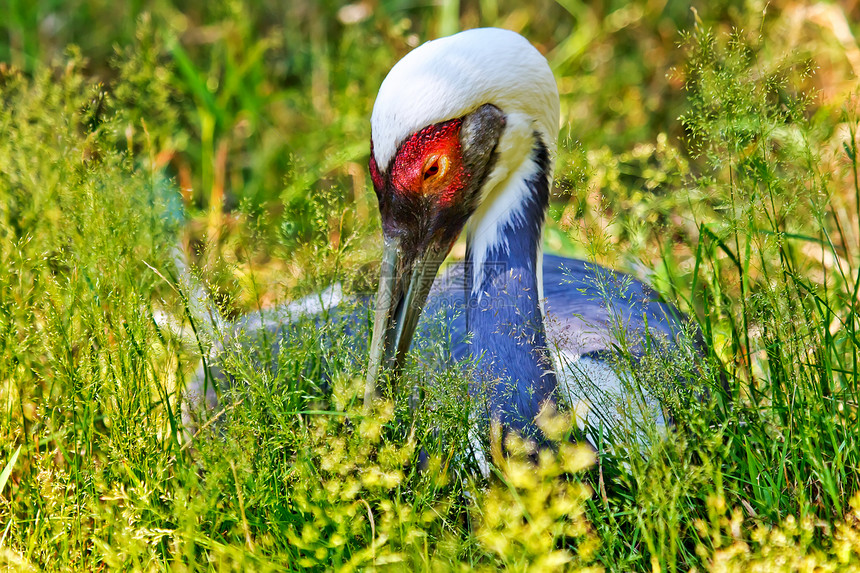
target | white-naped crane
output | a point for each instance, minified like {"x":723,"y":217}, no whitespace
{"x":463,"y":134}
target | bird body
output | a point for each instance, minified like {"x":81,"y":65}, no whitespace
{"x":499,"y":94}
{"x":464,"y":131}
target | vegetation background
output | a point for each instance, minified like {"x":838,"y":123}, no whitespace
{"x":710,"y":150}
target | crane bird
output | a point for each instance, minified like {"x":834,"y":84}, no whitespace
{"x":463,"y":132}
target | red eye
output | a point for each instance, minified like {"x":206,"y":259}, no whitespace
{"x":435,"y":167}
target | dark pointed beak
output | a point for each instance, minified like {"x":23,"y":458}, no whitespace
{"x":404,"y":285}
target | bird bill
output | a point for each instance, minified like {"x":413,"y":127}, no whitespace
{"x":404,"y":285}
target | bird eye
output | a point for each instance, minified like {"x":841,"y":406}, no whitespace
{"x":435,"y":167}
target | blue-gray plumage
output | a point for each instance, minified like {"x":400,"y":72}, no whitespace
{"x":589,"y":311}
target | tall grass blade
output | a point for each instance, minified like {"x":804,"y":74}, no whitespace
{"x":7,"y":471}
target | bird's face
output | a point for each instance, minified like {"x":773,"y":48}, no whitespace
{"x":432,"y":185}
{"x":426,"y":193}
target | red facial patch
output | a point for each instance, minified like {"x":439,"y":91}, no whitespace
{"x":375,"y":175}
{"x":430,"y":163}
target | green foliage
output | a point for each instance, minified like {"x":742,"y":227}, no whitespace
{"x":790,"y":346}
{"x":89,"y":382}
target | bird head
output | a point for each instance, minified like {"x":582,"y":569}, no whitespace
{"x":452,"y":125}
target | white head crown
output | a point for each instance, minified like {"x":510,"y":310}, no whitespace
{"x":450,"y":77}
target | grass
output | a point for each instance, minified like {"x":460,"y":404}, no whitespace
{"x":717,"y":161}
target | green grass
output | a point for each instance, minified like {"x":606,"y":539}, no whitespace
{"x":713,"y":154}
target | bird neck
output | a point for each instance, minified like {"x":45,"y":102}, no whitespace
{"x":504,"y":313}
